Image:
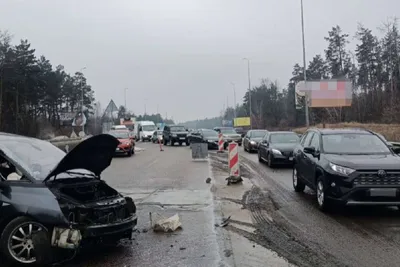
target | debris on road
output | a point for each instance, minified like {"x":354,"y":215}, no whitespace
{"x":225,"y":222}
{"x":234,"y":180}
{"x":208,"y":180}
{"x":168,"y":225}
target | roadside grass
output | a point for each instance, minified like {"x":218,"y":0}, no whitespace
{"x":390,"y":131}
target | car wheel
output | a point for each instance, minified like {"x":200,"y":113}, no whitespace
{"x":298,"y":185}
{"x":133,"y":150}
{"x":165,"y":142}
{"x":130,"y":153}
{"x":270,"y":161}
{"x":171,"y":142}
{"x":240,"y":144}
{"x":187,"y":143}
{"x":322,"y":202}
{"x":259,"y":157}
{"x":16,"y":240}
{"x":180,"y":143}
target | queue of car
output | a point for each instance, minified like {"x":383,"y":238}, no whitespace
{"x":343,"y":166}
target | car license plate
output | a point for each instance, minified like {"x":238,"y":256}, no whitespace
{"x":181,"y":138}
{"x":383,"y":192}
{"x":290,"y":158}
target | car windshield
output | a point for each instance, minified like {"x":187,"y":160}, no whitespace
{"x":283,"y":138}
{"x":36,"y":157}
{"x":228,"y":131}
{"x":356,"y":144}
{"x":178,"y":129}
{"x":148,"y":128}
{"x":210,"y":133}
{"x":120,"y":134}
{"x":258,"y":134}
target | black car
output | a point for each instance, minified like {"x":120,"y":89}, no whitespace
{"x":252,"y":139}
{"x":175,"y":134}
{"x":193,"y":135}
{"x":277,"y":147}
{"x":58,"y":198}
{"x":347,"y":166}
{"x":206,"y":136}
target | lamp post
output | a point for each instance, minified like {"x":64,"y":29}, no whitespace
{"x":304,"y":66}
{"x":234,"y":98}
{"x":248,"y":76}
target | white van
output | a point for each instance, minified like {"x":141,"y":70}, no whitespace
{"x":144,"y":130}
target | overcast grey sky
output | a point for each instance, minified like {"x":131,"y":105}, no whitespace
{"x":182,"y":55}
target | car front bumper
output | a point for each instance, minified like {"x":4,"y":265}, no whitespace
{"x":282,"y":159}
{"x":123,"y":150}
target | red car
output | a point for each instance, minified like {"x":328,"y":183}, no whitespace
{"x":127,"y":143}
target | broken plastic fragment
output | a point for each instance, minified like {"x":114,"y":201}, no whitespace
{"x":166,"y":225}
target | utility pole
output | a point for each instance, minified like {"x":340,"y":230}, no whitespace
{"x":305,"y":67}
{"x":125,"y":99}
{"x":234,"y":98}
{"x":248,"y":75}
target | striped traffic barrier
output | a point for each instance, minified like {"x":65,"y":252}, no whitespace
{"x":220,"y":143}
{"x":233,"y":159}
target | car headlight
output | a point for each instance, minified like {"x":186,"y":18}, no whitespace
{"x":252,"y":142}
{"x":127,"y":143}
{"x":341,"y":170}
{"x":276,"y":151}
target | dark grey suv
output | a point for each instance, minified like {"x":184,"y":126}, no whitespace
{"x":175,"y":134}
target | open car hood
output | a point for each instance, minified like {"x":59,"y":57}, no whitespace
{"x":93,"y":154}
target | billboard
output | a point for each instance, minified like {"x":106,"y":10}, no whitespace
{"x":242,"y":121}
{"x":326,"y":93}
{"x":227,"y":123}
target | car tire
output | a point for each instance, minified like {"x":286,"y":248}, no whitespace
{"x":298,"y":185}
{"x":240,"y":144}
{"x":12,"y":229}
{"x":171,"y":142}
{"x":130,"y":153}
{"x":270,"y":161}
{"x":187,"y":143}
{"x":322,"y":201}
{"x":165,"y":142}
{"x":180,"y":143}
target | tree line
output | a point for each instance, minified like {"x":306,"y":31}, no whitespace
{"x":33,"y":93}
{"x":373,"y":67}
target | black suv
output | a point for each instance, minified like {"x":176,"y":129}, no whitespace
{"x":348,"y":167}
{"x":175,"y":134}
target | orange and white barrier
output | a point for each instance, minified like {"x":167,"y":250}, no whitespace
{"x":220,"y":143}
{"x":233,"y":159}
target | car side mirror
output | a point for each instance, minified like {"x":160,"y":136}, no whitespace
{"x":310,"y":150}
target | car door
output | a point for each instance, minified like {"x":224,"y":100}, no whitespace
{"x":301,"y":157}
{"x":263,"y":147}
{"x":310,"y":162}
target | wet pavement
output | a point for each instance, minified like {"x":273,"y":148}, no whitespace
{"x":297,"y":230}
{"x":269,"y":225}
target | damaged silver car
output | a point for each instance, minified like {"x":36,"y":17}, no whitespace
{"x":60,"y":197}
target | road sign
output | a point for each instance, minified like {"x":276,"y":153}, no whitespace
{"x":242,"y":121}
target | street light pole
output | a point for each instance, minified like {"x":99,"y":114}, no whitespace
{"x":248,"y":75}
{"x":234,"y":98}
{"x":125,"y":98}
{"x":81,"y":85}
{"x":304,"y":66}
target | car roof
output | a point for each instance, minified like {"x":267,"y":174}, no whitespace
{"x":258,"y":130}
{"x":278,"y":132}
{"x":342,"y":131}
{"x":9,"y":136}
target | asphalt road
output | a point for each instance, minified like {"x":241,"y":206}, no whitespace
{"x":353,"y":236}
{"x":163,"y":183}
{"x":270,"y":224}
